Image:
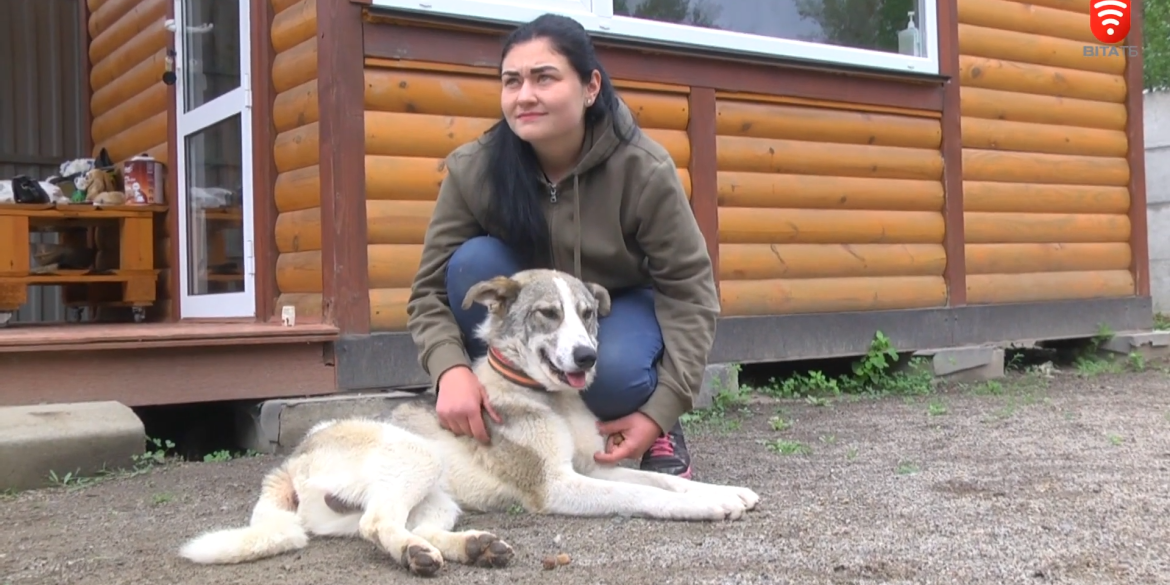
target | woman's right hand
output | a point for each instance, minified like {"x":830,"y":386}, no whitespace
{"x":461,"y":401}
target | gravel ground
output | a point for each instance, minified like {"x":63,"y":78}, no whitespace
{"x":1025,"y":481}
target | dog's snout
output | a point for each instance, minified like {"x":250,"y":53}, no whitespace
{"x":584,"y":356}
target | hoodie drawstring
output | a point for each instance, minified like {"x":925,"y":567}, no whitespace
{"x":577,"y":221}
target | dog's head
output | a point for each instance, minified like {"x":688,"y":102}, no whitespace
{"x":545,"y":322}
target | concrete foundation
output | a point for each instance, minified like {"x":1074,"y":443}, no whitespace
{"x":276,"y":426}
{"x":79,"y":438}
{"x":1150,"y":344}
{"x":717,"y":378}
{"x":965,"y":364}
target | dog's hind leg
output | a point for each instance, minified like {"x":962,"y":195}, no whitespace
{"x":434,"y":519}
{"x":390,"y":497}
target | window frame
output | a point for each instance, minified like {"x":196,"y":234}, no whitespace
{"x":597,"y":18}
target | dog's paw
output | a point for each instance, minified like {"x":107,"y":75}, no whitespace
{"x":714,"y":505}
{"x":745,"y":495}
{"x":488,"y":551}
{"x":422,"y":559}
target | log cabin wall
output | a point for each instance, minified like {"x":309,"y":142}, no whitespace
{"x":129,"y":102}
{"x":828,"y":208}
{"x":297,"y":189}
{"x":415,"y":115}
{"x":1045,"y":175}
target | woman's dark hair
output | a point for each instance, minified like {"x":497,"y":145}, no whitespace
{"x":514,"y":174}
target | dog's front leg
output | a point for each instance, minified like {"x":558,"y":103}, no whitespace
{"x":572,"y":494}
{"x":671,"y":482}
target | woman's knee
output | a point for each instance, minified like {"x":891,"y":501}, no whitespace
{"x":478,"y":259}
{"x":621,"y":387}
{"x":629,"y":348}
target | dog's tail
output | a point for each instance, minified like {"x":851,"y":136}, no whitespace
{"x":274,"y":528}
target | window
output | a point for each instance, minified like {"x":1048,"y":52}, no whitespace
{"x":857,"y":33}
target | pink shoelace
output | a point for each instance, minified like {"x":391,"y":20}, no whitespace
{"x":661,"y":447}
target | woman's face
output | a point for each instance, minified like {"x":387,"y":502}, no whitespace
{"x":542,"y":96}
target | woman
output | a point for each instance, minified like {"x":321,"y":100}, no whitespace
{"x":567,"y":180}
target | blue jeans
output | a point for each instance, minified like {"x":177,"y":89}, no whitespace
{"x":629,"y":339}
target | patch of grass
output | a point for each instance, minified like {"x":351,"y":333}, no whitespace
{"x":723,"y":414}
{"x":225,"y":455}
{"x":787,"y":447}
{"x":936,"y":408}
{"x":1161,"y":322}
{"x":907,"y":468}
{"x":880,"y":372}
{"x":158,"y":452}
{"x":161,"y":498}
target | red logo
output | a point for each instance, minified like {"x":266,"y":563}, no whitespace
{"x":1109,"y":20}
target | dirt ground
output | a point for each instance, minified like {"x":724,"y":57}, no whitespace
{"x":1024,"y":481}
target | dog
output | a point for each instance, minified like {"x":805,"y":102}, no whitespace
{"x":403,"y":482}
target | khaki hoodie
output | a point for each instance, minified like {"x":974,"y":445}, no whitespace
{"x":620,"y":219}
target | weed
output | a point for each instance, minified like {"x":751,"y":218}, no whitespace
{"x":787,"y":447}
{"x":225,"y":455}
{"x":907,"y":468}
{"x":877,"y":373}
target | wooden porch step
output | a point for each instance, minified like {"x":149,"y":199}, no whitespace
{"x":123,"y":336}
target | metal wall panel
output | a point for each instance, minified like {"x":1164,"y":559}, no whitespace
{"x":42,"y":96}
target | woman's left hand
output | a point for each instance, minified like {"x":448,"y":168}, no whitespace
{"x":636,"y":431}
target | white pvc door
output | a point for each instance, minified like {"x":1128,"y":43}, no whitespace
{"x":214,"y":163}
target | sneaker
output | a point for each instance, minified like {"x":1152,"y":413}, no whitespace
{"x":669,"y":454}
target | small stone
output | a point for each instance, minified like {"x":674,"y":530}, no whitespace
{"x":550,"y":563}
{"x":563,"y":559}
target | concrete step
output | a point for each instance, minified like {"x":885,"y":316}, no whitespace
{"x":81,"y":438}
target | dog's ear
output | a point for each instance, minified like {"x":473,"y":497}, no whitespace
{"x":602,"y":296}
{"x":495,"y":294}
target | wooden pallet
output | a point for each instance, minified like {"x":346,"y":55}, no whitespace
{"x":135,"y":271}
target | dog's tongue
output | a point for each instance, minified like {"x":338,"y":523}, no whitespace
{"x":576,"y":379}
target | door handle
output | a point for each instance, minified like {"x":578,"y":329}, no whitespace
{"x":202,"y":29}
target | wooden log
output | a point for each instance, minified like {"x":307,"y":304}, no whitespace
{"x":295,"y":66}
{"x":992,"y":43}
{"x":993,"y":104}
{"x":298,"y":189}
{"x":745,"y":225}
{"x":1077,"y":6}
{"x":744,"y":96}
{"x":158,"y":152}
{"x":298,"y":231}
{"x":404,"y":178}
{"x":1062,"y":169}
{"x":136,"y":139}
{"x":137,"y":80}
{"x":308,"y":305}
{"x":1052,"y":257}
{"x":777,"y":121}
{"x":741,"y":298}
{"x":104,"y":14}
{"x":988,"y":289}
{"x":736,"y":153}
{"x":279,"y":6}
{"x":475,"y":96}
{"x":1045,"y":138}
{"x":144,"y":15}
{"x":1040,"y":79}
{"x":296,"y":107}
{"x":428,"y":136}
{"x":294,"y":26}
{"x":1044,"y":228}
{"x":397,"y":222}
{"x":737,"y":189}
{"x":126,"y":56}
{"x":130,"y":112}
{"x":1038,"y":198}
{"x":791,"y":261}
{"x":393,"y":265}
{"x":298,"y":148}
{"x":1027,"y":18}
{"x":388,"y":309}
{"x":299,"y":272}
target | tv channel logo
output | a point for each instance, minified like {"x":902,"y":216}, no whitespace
{"x":1109,"y":20}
